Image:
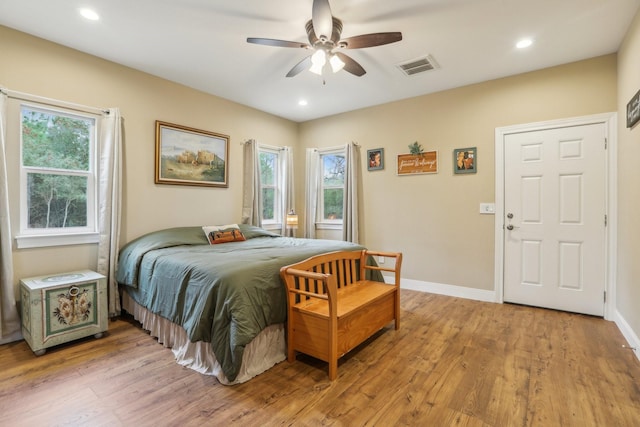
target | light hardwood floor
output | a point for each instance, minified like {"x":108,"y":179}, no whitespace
{"x":453,"y":362}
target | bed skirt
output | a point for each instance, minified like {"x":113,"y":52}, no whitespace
{"x":266,"y":350}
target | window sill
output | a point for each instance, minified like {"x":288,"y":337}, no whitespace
{"x":328,"y":225}
{"x":44,"y":240}
{"x":272,"y":226}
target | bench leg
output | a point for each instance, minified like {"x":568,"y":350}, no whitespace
{"x":333,"y":344}
{"x":397,"y":308}
{"x":291,"y":353}
{"x":333,"y":369}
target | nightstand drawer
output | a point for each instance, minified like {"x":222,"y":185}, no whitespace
{"x":63,"y":307}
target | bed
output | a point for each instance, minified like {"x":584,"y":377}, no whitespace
{"x":220,"y":307}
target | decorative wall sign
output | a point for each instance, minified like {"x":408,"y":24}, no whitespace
{"x":187,"y":156}
{"x":426,"y":162}
{"x":465,"y":160}
{"x":633,"y":110}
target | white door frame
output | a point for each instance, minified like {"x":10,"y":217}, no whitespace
{"x":610,"y":121}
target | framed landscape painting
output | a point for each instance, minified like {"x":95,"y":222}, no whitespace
{"x":187,"y":156}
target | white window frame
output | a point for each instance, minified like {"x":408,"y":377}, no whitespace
{"x":278,"y":214}
{"x":29,"y":237}
{"x":321,"y":222}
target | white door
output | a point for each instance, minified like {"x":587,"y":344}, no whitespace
{"x":555,"y":207}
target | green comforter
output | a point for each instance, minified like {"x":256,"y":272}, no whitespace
{"x":225,"y":294}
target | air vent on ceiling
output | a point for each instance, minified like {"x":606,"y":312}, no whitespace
{"x":419,"y":65}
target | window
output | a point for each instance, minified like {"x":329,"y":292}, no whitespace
{"x":270,"y":185}
{"x":57,"y":173}
{"x":270,"y":191}
{"x":331,"y":196}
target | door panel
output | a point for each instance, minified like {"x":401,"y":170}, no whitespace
{"x":554,"y":241}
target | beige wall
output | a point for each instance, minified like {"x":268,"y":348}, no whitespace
{"x":434,"y":219}
{"x":628,"y":289}
{"x":41,"y":68}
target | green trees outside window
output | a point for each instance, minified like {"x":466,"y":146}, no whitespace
{"x":268,"y":173}
{"x":56,"y":157}
{"x":333,"y":171}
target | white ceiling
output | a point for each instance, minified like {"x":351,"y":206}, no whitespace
{"x":202,"y":43}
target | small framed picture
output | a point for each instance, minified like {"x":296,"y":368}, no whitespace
{"x":375,"y":159}
{"x":465,"y":160}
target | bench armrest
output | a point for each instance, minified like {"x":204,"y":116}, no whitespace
{"x":395,"y":269}
{"x":328,"y":281}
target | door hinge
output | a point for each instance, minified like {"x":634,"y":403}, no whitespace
{"x":606,"y":220}
{"x":605,"y":296}
{"x":605,"y":143}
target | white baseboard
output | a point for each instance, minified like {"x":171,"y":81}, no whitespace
{"x":449,"y":290}
{"x":627,"y":333}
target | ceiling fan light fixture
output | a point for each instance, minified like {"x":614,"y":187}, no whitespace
{"x":318,"y":60}
{"x":336,"y":63}
{"x":324,"y":32}
{"x":316,"y":69}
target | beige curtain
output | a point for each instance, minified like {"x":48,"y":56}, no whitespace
{"x":312,"y":183}
{"x":110,"y":202}
{"x":10,"y":329}
{"x":286,"y":178}
{"x":350,"y":221}
{"x":251,"y":195}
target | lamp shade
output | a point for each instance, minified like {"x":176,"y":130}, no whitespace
{"x":318,"y":59}
{"x":336,"y":63}
{"x":292,"y":220}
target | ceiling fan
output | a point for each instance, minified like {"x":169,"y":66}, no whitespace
{"x":324,"y":32}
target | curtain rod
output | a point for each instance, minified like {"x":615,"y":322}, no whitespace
{"x":270,"y":147}
{"x":22,"y":96}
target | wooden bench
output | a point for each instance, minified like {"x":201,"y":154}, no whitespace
{"x":332,"y":308}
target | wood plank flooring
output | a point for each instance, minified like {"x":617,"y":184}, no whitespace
{"x":454,"y":362}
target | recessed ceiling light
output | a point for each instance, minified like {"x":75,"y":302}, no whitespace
{"x":302,"y":102}
{"x":89,"y":14}
{"x":524,"y":43}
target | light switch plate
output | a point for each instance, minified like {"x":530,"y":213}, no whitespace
{"x":488,"y":208}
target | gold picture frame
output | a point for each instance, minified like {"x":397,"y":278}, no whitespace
{"x":188,"y":156}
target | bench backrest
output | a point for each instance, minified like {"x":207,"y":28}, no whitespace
{"x":344,"y":266}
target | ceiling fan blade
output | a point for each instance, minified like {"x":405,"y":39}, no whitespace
{"x":370,"y":40}
{"x":351,"y":65}
{"x":322,"y":19}
{"x":277,"y":43}
{"x":300,"y":66}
